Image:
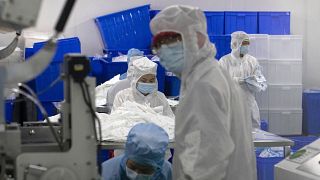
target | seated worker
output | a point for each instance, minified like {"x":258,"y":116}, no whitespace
{"x":144,"y":88}
{"x":143,"y":158}
{"x":125,"y":79}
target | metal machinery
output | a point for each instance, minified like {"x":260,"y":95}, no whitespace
{"x":303,"y":165}
{"x":66,"y":150}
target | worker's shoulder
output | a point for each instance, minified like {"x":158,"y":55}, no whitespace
{"x":225,"y":57}
{"x":112,"y":163}
{"x":251,"y":58}
{"x":124,"y":92}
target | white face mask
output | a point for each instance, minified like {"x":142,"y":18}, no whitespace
{"x":132,"y":175}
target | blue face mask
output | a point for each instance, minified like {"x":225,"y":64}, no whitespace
{"x":172,"y":57}
{"x":244,"y":50}
{"x":146,"y":88}
{"x":132,"y":175}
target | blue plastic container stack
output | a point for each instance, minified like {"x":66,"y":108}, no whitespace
{"x":8,"y":110}
{"x":222,"y":43}
{"x":301,"y":141}
{"x":241,"y":21}
{"x":265,"y":167}
{"x":215,"y":23}
{"x":126,"y":29}
{"x":153,"y":13}
{"x":274,"y":23}
{"x":172,"y":86}
{"x":49,"y":107}
{"x":52,"y":72}
{"x":311,"y":112}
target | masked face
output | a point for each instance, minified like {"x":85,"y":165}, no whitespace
{"x":146,"y":88}
{"x":244,"y":50}
{"x":172,"y":57}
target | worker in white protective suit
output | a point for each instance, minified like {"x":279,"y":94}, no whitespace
{"x":144,"y":88}
{"x":245,"y":71}
{"x":126,"y":78}
{"x":213,"y":137}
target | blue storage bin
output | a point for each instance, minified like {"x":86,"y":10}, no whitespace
{"x":241,"y":21}
{"x":274,"y":23}
{"x":118,"y":52}
{"x":172,"y":86}
{"x":49,"y":107}
{"x":301,"y":141}
{"x":215,"y":23}
{"x":64,"y":46}
{"x":265,"y":167}
{"x":8,"y":109}
{"x":161,"y":77}
{"x":52,"y":72}
{"x":153,"y":13}
{"x":222,"y":43}
{"x":311,"y":112}
{"x":44,"y":80}
{"x":126,"y":29}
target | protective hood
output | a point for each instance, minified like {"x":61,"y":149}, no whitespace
{"x":140,"y":67}
{"x":236,"y":40}
{"x":187,"y":21}
{"x":130,"y":67}
{"x":146,"y":145}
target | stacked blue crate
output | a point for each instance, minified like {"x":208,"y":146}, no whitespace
{"x":215,"y":23}
{"x":52,"y":72}
{"x":172,"y":86}
{"x":241,"y":21}
{"x":265,"y":167}
{"x":126,"y":29}
{"x":222,"y":43}
{"x":274,"y":23}
{"x":301,"y":141}
{"x":311,"y":112}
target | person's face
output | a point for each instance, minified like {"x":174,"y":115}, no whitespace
{"x":140,"y":169}
{"x":148,"y":78}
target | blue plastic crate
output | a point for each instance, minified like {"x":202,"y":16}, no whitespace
{"x":264,"y":125}
{"x":8,"y":107}
{"x":301,"y":141}
{"x":118,"y":52}
{"x":49,"y":107}
{"x":311,"y":112}
{"x":222,"y":43}
{"x":44,"y":80}
{"x":215,"y":23}
{"x":172,"y":86}
{"x":265,"y":167}
{"x":153,"y":13}
{"x":126,"y":29}
{"x":241,"y":21}
{"x":274,"y":23}
{"x":64,"y":46}
{"x":161,"y":77}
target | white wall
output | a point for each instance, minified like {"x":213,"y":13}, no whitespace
{"x":304,"y":21}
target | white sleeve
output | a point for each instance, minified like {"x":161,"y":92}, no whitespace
{"x":118,"y":100}
{"x":167,"y":111}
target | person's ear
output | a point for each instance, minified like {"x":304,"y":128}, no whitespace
{"x":201,"y":40}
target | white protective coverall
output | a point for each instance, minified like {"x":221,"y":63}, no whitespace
{"x":157,"y":100}
{"x":122,"y":84}
{"x":242,"y":68}
{"x":213,"y":137}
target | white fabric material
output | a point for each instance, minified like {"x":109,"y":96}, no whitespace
{"x":213,"y":132}
{"x":242,"y":69}
{"x":102,"y":90}
{"x":115,"y":127}
{"x":122,"y":84}
{"x":155,"y":100}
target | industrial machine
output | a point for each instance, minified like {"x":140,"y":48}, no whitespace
{"x":302,"y":165}
{"x":64,"y":150}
